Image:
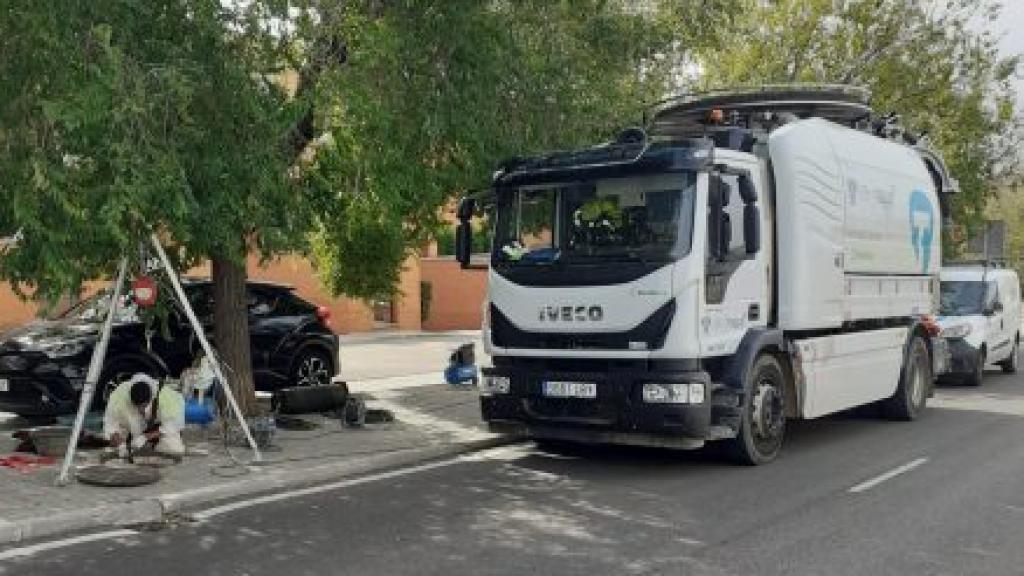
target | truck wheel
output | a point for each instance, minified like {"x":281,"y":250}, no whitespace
{"x":763,"y":424}
{"x":1009,"y":365}
{"x":915,"y":378}
{"x":977,"y":376}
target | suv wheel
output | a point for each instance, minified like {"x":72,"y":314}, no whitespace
{"x":312,"y":368}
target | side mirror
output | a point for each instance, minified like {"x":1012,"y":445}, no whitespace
{"x":751,"y":228}
{"x":747,"y":191}
{"x":997,"y":307}
{"x":464,"y":243}
{"x":464,"y":231}
{"x":716,"y":217}
{"x":467,"y":207}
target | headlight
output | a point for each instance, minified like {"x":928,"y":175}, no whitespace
{"x":957,"y":331}
{"x":495,"y":385}
{"x":62,"y":348}
{"x":657,"y":393}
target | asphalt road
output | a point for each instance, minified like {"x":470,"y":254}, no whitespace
{"x":850,"y":495}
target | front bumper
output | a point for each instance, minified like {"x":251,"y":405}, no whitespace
{"x":38,"y":397}
{"x":41,"y":387}
{"x":963,"y":358}
{"x":617,"y":415}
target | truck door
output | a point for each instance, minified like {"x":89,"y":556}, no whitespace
{"x":736,"y":286}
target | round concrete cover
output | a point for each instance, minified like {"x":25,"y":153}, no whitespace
{"x":124,"y":475}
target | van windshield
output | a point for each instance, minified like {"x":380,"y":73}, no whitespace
{"x":963,"y":297}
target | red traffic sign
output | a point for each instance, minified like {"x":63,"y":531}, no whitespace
{"x":144,"y":291}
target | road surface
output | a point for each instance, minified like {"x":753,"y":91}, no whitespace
{"x":850,"y":495}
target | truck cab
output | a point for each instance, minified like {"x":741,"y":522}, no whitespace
{"x":980,"y":319}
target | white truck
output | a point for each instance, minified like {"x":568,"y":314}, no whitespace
{"x":752,"y":256}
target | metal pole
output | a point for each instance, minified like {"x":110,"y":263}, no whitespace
{"x":99,"y":353}
{"x":198,"y":328}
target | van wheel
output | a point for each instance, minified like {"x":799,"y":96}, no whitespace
{"x":915,"y":378}
{"x":977,"y":377}
{"x":763,"y":424}
{"x":1010,"y":364}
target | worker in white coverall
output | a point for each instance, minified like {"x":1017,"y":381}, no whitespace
{"x":143,"y":412}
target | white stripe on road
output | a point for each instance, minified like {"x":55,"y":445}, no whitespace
{"x":53,"y":545}
{"x":869,"y":484}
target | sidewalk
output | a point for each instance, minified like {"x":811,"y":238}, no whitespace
{"x":432,"y":420}
{"x":376,"y":355}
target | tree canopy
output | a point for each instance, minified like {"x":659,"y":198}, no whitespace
{"x":436,"y":94}
{"x":119,"y":118}
{"x":935,"y":63}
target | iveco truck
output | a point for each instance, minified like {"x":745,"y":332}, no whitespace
{"x":746,"y":258}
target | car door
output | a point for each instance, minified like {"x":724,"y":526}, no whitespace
{"x":1007,"y":328}
{"x":265,"y":330}
{"x":993,"y":323}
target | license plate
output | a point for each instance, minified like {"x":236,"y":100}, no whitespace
{"x":5,"y":386}
{"x":570,"y":389}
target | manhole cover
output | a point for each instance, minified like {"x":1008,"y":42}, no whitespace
{"x":118,"y":475}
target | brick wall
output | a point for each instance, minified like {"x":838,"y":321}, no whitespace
{"x":13,"y":311}
{"x":457,"y":294}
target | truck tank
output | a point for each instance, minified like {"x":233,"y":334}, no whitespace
{"x":858,"y":226}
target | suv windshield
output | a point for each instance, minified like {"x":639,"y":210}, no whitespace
{"x":94,"y":309}
{"x":962,"y":297}
{"x":644,"y":218}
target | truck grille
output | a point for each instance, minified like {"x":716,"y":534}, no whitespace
{"x":572,"y":410}
{"x":650,"y":333}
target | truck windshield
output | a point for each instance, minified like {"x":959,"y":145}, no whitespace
{"x":962,"y":297}
{"x":642,"y":218}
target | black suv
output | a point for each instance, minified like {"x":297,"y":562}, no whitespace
{"x":43,"y":364}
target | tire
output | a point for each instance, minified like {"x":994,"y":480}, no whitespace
{"x":915,"y":378}
{"x":312,"y":367}
{"x":116,"y":373}
{"x":763,"y":422}
{"x":1009,"y":365}
{"x":977,"y":377}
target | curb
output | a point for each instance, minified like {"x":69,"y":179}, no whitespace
{"x":113,"y":515}
{"x":153,"y":509}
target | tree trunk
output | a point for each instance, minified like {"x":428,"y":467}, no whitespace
{"x":231,"y":330}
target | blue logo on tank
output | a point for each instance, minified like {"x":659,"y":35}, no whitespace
{"x":921,"y":236}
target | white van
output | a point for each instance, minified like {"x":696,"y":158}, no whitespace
{"x":980,"y":318}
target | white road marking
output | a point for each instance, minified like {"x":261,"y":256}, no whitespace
{"x":429,"y":423}
{"x":500,"y":453}
{"x":869,"y":484}
{"x":53,"y":545}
